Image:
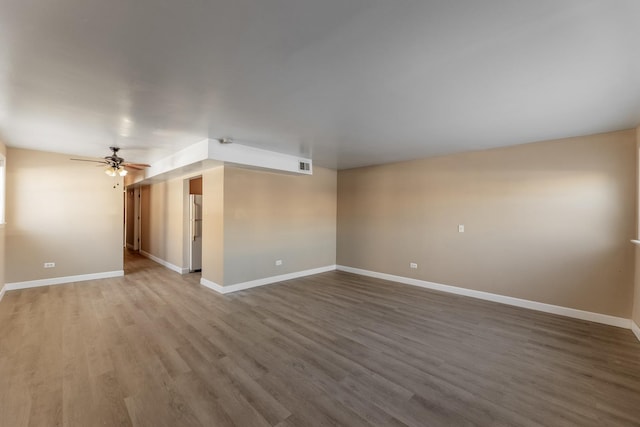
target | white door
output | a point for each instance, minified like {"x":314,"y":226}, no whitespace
{"x":195,"y":225}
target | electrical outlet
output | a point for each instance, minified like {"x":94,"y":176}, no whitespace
{"x":461,"y":228}
{"x":49,"y":264}
{"x":278,"y":262}
{"x":413,"y":265}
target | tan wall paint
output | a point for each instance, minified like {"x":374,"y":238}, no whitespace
{"x":635,"y":316}
{"x":60,"y":211}
{"x":133,"y":177}
{"x":145,"y":225}
{"x":195,"y":185}
{"x":213,"y":225}
{"x":2,"y":256}
{"x":636,"y":296}
{"x":3,"y":151}
{"x":270,"y":216}
{"x":130,"y":221}
{"x":547,"y":222}
{"x":162,"y":221}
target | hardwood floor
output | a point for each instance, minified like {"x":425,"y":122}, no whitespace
{"x":156,"y":349}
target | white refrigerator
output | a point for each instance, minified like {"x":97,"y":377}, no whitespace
{"x":195,"y":225}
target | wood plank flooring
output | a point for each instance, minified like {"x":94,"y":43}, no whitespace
{"x":156,"y":349}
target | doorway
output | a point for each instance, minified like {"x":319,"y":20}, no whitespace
{"x":132,"y":219}
{"x":195,"y":224}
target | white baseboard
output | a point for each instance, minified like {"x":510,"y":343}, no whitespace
{"x":164,"y":263}
{"x":266,"y":281}
{"x":131,"y":247}
{"x":2,"y":291}
{"x":635,"y":329}
{"x":62,"y":280}
{"x":212,"y":285}
{"x":533,"y":305}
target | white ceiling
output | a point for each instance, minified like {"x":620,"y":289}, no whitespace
{"x":346,"y":82}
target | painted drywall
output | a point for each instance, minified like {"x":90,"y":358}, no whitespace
{"x":60,"y":211}
{"x":635,"y":316}
{"x":273,"y":216}
{"x":2,"y":258}
{"x":145,"y":225}
{"x":213,"y":225}
{"x":547,"y":222}
{"x":636,"y":295}
{"x":3,"y":152}
{"x":162,"y":221}
{"x":130,"y":217}
{"x":195,"y":185}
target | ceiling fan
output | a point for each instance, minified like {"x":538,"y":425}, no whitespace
{"x":116,"y":165}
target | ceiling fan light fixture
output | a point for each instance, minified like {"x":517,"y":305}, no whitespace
{"x":115,"y":165}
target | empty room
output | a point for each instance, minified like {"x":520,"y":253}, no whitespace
{"x":319,"y":213}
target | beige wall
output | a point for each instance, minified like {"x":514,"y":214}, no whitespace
{"x":162,"y":221}
{"x":271,"y":216}
{"x":547,"y":222}
{"x":60,"y":211}
{"x":3,"y":151}
{"x":636,"y":296}
{"x":195,"y":185}
{"x":251,"y":218}
{"x":213,"y":225}
{"x":145,"y":224}
{"x":131,"y":218}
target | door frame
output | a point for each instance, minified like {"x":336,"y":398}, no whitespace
{"x":187,"y":220}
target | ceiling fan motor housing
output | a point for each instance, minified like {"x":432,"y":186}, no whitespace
{"x":114,"y":160}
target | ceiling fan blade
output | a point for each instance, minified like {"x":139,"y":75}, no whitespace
{"x":90,"y":160}
{"x":115,"y":164}
{"x":136,"y":165}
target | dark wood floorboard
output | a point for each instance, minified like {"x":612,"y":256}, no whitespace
{"x":155,"y":348}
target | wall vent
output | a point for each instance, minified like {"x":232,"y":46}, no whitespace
{"x":304,"y":166}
